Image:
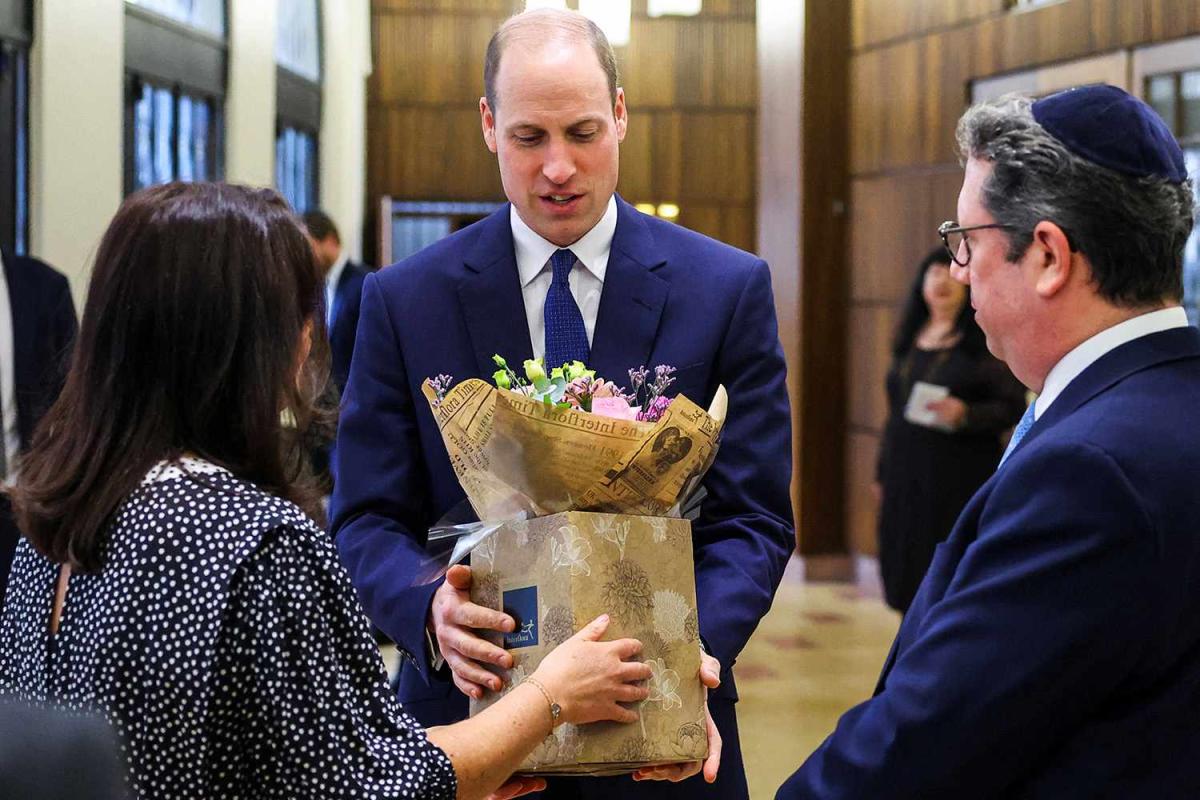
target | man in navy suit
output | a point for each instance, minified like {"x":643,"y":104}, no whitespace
{"x":1053,"y":649}
{"x":37,"y":328}
{"x":567,"y":269}
{"x":343,"y":291}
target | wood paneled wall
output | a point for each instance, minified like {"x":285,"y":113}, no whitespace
{"x":910,"y":72}
{"x":690,"y":84}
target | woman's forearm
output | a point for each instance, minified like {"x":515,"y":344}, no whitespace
{"x":486,"y":748}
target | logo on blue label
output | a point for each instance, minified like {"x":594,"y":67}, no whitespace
{"x":522,"y":605}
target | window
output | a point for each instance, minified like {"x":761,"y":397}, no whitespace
{"x":175,"y":63}
{"x":298,"y":102}
{"x":296,"y":167}
{"x":203,"y":15}
{"x":15,"y":35}
{"x":1176,"y":98}
{"x":411,"y":226}
{"x":174,"y":136}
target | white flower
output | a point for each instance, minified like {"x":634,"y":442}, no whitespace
{"x":663,"y":685}
{"x":658,"y":527}
{"x":611,"y":530}
{"x":520,"y":530}
{"x":486,"y":550}
{"x":563,"y":746}
{"x":573,"y":551}
{"x":670,"y":615}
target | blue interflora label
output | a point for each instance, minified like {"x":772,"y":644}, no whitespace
{"x":522,"y":605}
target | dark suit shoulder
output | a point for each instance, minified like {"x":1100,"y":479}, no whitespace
{"x":36,"y":272}
{"x":353,"y":276}
{"x":355,"y":271}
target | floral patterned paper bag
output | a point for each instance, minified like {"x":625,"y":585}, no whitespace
{"x":555,"y":574}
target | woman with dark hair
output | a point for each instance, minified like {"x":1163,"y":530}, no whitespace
{"x":169,"y":577}
{"x":949,"y":401}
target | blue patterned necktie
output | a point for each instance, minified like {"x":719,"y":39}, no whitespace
{"x":566,"y":336}
{"x":1019,"y":432}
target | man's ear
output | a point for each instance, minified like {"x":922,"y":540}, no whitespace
{"x":621,"y":114}
{"x":488,"y":122}
{"x":1052,"y":258}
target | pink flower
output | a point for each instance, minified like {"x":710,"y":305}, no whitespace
{"x":606,"y":389}
{"x":658,"y":407}
{"x":614,"y":407}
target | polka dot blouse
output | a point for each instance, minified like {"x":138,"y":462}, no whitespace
{"x":224,"y":642}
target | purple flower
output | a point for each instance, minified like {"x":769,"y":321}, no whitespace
{"x":658,"y":407}
{"x":637,"y":377}
{"x":441,"y":385}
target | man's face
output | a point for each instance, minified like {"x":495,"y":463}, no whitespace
{"x":555,"y":134}
{"x":1001,"y":293}
{"x":327,"y":251}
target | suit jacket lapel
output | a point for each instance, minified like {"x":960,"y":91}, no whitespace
{"x":632,"y":302}
{"x":1112,"y":367}
{"x":490,"y":295}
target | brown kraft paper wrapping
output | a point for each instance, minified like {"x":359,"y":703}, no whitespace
{"x":516,"y":457}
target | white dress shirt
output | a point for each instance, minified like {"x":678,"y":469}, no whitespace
{"x":8,"y":386}
{"x":331,"y":281}
{"x":1073,"y":363}
{"x":533,"y":266}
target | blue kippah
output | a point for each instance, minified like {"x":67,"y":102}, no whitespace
{"x":1114,"y":129}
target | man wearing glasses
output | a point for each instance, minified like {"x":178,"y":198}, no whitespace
{"x":1053,"y":650}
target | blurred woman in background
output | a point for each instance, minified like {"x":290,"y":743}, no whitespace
{"x":172,"y":580}
{"x":949,"y":402}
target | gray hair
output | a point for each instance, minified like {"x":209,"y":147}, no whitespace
{"x":544,"y":25}
{"x":1132,"y":230}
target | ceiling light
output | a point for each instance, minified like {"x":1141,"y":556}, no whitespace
{"x":613,"y":16}
{"x":678,"y":8}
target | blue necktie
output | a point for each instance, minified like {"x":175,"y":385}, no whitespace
{"x":566,"y":336}
{"x":1018,"y":433}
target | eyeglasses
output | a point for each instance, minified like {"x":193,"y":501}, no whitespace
{"x":954,"y":237}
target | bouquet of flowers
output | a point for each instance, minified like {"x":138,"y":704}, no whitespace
{"x":579,"y":483}
{"x":575,"y":386}
{"x":540,"y":442}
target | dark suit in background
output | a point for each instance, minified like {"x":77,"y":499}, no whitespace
{"x":43,"y":329}
{"x":52,"y":755}
{"x":347,"y":299}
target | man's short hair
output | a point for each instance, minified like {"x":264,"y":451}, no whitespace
{"x":542,"y":25}
{"x":320,"y":226}
{"x":1132,"y":230}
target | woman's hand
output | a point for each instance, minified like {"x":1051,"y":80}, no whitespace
{"x":588,"y":678}
{"x":950,"y":411}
